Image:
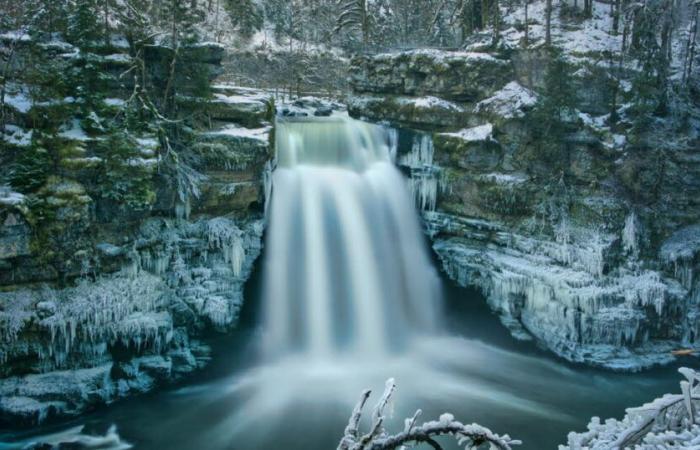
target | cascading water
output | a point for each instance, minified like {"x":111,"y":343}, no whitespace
{"x":346,"y":268}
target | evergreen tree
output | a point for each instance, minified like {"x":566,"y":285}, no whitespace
{"x":246,"y":16}
{"x":651,"y":47}
{"x":86,"y":75}
{"x":84,"y":25}
{"x":551,"y":118}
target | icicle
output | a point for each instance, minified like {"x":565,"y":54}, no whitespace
{"x":267,"y":185}
{"x":630,"y":235}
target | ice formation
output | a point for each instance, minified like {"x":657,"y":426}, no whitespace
{"x":195,"y":268}
{"x":424,"y":181}
{"x":557,"y":291}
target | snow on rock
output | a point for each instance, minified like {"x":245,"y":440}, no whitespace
{"x":10,"y":198}
{"x":441,"y":56}
{"x":474,"y":134}
{"x":510,"y":102}
{"x":14,"y":135}
{"x":431,"y":102}
{"x":238,"y":99}
{"x":176,"y":276}
{"x":238,"y":132}
{"x":556,"y":291}
{"x":457,"y":76}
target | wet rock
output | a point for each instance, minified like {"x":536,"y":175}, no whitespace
{"x":46,"y":309}
{"x":323,"y":111}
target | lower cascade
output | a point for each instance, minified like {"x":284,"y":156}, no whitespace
{"x":346,"y":268}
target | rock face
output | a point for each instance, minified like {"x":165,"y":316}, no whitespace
{"x":585,"y":261}
{"x":99,"y":298}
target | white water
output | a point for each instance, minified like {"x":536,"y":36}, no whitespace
{"x":347,"y":271}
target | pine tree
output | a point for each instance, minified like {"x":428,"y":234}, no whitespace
{"x":84,"y":28}
{"x":86,"y":75}
{"x":651,"y":47}
{"x":551,"y":117}
{"x":246,"y":16}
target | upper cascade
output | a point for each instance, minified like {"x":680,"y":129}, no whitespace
{"x":336,"y":141}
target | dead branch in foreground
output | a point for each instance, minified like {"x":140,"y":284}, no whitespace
{"x":469,"y":436}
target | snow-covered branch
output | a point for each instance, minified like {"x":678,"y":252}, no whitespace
{"x":668,"y":421}
{"x":468,"y":436}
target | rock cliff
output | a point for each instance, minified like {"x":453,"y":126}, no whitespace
{"x":584,"y":239}
{"x":112,"y":272}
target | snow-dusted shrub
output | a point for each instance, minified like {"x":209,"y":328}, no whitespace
{"x":377,"y":438}
{"x":667,"y":422}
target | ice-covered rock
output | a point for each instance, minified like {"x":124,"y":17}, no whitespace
{"x":179,"y":277}
{"x":556,"y":291}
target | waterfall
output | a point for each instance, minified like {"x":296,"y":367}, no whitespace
{"x":347,"y":269}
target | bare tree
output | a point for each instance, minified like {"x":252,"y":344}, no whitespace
{"x":469,"y":436}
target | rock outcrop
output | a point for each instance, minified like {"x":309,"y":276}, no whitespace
{"x":585,"y":260}
{"x":111,"y":274}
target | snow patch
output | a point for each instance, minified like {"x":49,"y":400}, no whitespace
{"x":475,"y":134}
{"x":510,"y":102}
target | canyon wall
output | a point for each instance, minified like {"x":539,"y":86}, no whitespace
{"x":111,"y":272}
{"x":586,"y":241}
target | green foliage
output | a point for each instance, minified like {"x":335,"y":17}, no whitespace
{"x":551,"y":118}
{"x":650,"y":45}
{"x":246,"y":16}
{"x":126,"y":179}
{"x":84,"y":24}
{"x":30,"y":170}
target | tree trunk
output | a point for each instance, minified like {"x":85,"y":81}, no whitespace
{"x":690,"y":54}
{"x":548,"y":21}
{"x":527,"y":26}
{"x":496,"y":19}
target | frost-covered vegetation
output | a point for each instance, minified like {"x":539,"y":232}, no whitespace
{"x":667,"y":422}
{"x":414,"y":433}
